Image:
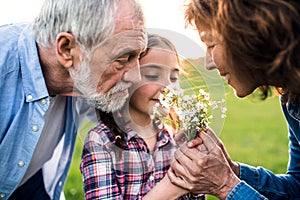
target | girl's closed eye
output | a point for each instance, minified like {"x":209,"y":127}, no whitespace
{"x":174,"y":76}
{"x":151,"y":77}
{"x":151,"y":72}
{"x":173,"y":79}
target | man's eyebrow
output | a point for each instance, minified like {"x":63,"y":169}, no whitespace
{"x":126,"y":51}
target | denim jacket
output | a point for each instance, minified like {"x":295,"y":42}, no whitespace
{"x":259,"y":183}
{"x":24,"y":100}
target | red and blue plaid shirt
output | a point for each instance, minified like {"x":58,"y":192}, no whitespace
{"x":110,"y":172}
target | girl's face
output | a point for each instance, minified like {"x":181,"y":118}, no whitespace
{"x":159,"y":68}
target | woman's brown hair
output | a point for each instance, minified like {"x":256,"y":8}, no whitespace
{"x":257,"y":35}
{"x":264,"y":35}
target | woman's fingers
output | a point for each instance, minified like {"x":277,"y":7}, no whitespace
{"x":208,"y":142}
{"x":195,"y":142}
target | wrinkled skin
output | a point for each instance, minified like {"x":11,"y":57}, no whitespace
{"x":203,"y":166}
{"x":113,"y":68}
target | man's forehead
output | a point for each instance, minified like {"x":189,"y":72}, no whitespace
{"x":133,"y":36}
{"x":130,"y":24}
{"x":127,"y":17}
{"x":127,"y":42}
{"x":121,"y":26}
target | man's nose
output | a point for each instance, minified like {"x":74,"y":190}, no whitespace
{"x":132,"y":74}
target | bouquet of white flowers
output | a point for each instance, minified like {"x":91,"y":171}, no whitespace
{"x":190,"y":113}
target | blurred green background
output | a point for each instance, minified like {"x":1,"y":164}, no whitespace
{"x":254,"y":132}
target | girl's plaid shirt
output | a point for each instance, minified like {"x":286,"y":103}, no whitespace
{"x":110,"y":172}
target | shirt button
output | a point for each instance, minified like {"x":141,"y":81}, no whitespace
{"x":21,"y":163}
{"x":151,"y":178}
{"x":44,"y":101}
{"x":2,"y":195}
{"x":29,"y":97}
{"x":59,"y":183}
{"x":34,"y":128}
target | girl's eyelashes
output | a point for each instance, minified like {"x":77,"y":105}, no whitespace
{"x":151,"y":77}
{"x":156,"y":73}
{"x":173,"y":79}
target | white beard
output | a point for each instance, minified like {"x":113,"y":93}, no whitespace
{"x":81,"y":76}
{"x":105,"y":103}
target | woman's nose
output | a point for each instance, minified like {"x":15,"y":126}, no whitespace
{"x":209,"y":63}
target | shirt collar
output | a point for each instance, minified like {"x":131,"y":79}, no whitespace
{"x":32,"y":75}
{"x":294,"y":110}
{"x":163,"y":137}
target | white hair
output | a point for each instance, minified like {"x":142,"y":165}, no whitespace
{"x":90,"y":21}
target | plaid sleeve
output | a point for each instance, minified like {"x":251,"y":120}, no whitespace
{"x":97,"y":172}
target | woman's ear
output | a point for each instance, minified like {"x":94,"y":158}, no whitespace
{"x":66,"y":49}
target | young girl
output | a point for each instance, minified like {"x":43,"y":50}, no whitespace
{"x":126,"y":155}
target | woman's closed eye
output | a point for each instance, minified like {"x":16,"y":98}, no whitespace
{"x":210,"y":46}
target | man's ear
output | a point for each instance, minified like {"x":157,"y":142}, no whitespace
{"x":66,"y":49}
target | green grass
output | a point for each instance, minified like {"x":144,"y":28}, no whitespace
{"x":73,"y":189}
{"x":254,"y":133}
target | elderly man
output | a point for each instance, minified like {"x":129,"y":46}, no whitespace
{"x":74,"y":48}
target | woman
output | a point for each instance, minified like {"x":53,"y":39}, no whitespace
{"x":254,"y":44}
{"x":126,"y":155}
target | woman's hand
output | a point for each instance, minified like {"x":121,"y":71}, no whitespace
{"x":196,"y":142}
{"x":180,"y":137}
{"x":203,"y":169}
